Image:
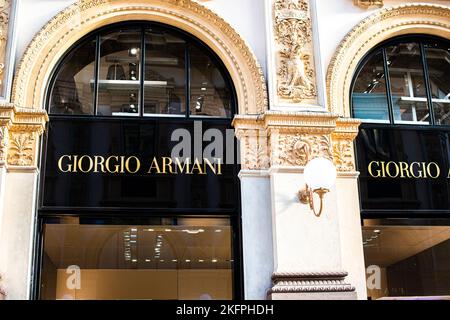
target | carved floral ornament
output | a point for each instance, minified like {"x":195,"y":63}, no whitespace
{"x":295,"y":57}
{"x":292,"y":139}
{"x":19,"y":132}
{"x":84,"y":16}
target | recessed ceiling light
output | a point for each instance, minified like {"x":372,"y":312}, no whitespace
{"x":214,"y":260}
{"x":167,"y":230}
{"x":377,"y":231}
{"x":162,"y":260}
{"x":148,"y":260}
{"x":174,"y":260}
{"x":149,"y":230}
{"x":201,"y":260}
{"x":134,"y":260}
{"x":218,"y":230}
{"x":133,"y":229}
{"x":187,"y":260}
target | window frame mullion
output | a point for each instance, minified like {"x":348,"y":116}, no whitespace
{"x":187,"y":67}
{"x":426,"y":74}
{"x":388,"y":86}
{"x":96,"y":72}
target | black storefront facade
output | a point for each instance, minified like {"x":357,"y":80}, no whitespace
{"x":118,"y":207}
{"x":402,"y":153}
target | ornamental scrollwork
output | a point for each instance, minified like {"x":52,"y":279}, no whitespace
{"x":293,"y":36}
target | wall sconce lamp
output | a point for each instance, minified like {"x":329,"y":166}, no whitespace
{"x":320,"y":175}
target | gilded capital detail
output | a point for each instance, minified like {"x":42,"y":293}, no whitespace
{"x":19,"y":132}
{"x":5,"y":8}
{"x":294,"y":52}
{"x":342,"y":138}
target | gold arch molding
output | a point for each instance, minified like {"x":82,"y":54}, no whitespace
{"x":84,"y":16}
{"x":387,"y":23}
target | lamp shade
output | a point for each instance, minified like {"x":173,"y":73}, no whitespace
{"x":320,"y":173}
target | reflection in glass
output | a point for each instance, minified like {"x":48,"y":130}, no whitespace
{"x":72,"y":91}
{"x":438,"y":61}
{"x":165,"y":74}
{"x":170,"y":258}
{"x":407,"y":83}
{"x":406,"y":261}
{"x":369,"y":94}
{"x":210,"y":91}
{"x":118,"y":84}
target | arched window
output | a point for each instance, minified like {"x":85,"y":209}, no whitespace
{"x":404,"y":81}
{"x":154,"y":210}
{"x":141,"y":70}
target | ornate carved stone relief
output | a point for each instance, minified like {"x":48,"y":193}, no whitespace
{"x":296,"y":81}
{"x":298,"y":149}
{"x":5,"y":8}
{"x":368,"y":3}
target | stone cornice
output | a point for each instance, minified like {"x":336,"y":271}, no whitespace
{"x":297,"y":121}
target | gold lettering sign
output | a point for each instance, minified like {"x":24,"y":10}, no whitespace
{"x":413,"y":170}
{"x":132,"y":165}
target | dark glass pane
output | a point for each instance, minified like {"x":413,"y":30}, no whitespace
{"x":369,"y":95}
{"x":171,"y":258}
{"x":118,"y":84}
{"x":210,"y":91}
{"x":73,"y":89}
{"x":165,"y":74}
{"x":407,"y":83}
{"x":438,"y":60}
{"x":406,"y":261}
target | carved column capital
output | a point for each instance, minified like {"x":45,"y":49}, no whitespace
{"x":293,"y":138}
{"x":252,"y":135}
{"x":19,"y":132}
{"x":368,"y":3}
{"x":342,"y":139}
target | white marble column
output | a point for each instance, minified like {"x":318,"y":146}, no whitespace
{"x":16,"y":234}
{"x":18,"y":190}
{"x":256,"y":233}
